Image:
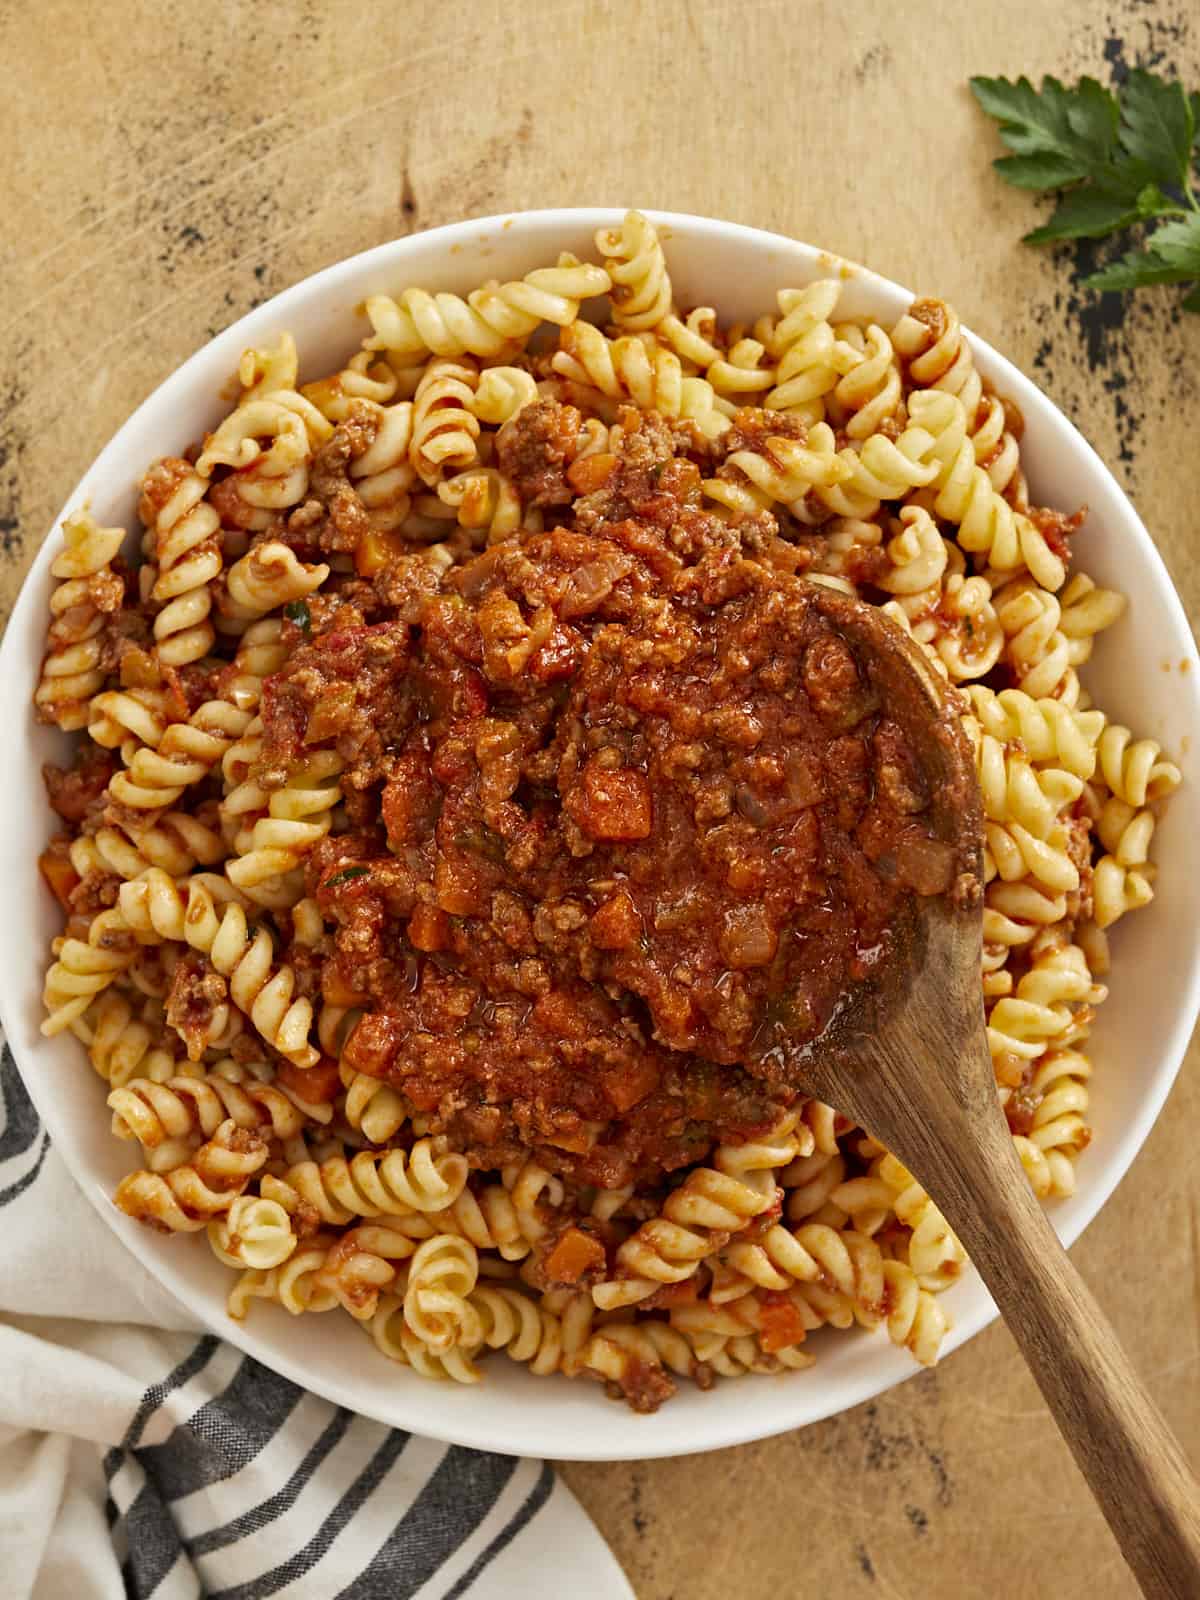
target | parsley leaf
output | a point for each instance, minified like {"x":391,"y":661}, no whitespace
{"x":296,"y":611}
{"x":1124,"y":160}
{"x":1157,"y":127}
{"x":1172,"y":256}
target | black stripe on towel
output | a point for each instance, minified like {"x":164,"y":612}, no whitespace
{"x":260,"y":1515}
{"x":534,"y":1502}
{"x":278,"y":1579}
{"x":453,"y":1503}
{"x":20,"y":1186}
{"x":201,"y":1354}
{"x":21,"y":1125}
{"x":154,"y":1543}
{"x":224,"y":1435}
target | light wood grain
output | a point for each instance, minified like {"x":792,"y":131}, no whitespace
{"x":168,"y":175}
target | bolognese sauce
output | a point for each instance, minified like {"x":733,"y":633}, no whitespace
{"x":628,"y":816}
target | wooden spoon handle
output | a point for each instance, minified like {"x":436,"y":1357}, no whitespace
{"x":1133,"y":1463}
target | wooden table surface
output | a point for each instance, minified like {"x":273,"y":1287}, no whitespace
{"x":168,"y":167}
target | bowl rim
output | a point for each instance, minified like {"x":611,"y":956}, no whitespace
{"x":725,"y":1426}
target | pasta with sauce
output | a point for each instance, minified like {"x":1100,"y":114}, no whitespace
{"x":317,"y":940}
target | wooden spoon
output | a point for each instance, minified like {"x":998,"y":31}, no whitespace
{"x":910,"y":1062}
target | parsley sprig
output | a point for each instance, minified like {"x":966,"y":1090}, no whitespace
{"x":1119,"y":161}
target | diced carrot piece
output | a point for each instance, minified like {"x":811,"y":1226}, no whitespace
{"x":428,"y":927}
{"x":374,"y":1044}
{"x":571,"y":1257}
{"x":60,"y":875}
{"x":781,"y":1325}
{"x":314,"y":1084}
{"x":610,"y":803}
{"x":631,"y":1082}
{"x":590,"y":473}
{"x":376,"y":550}
{"x":616,"y":925}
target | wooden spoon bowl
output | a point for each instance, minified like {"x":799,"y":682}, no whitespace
{"x":908,"y":1059}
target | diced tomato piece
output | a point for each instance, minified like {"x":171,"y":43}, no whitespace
{"x":590,"y":473}
{"x":428,"y":927}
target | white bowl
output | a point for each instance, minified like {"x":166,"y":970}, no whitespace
{"x":1145,"y":673}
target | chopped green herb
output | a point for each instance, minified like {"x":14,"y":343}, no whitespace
{"x":346,"y":875}
{"x":1124,"y":160}
{"x":296,"y":611}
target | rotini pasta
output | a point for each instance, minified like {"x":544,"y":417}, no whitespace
{"x":74,"y":665}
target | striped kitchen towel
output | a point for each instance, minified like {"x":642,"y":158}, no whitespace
{"x":139,"y":1457}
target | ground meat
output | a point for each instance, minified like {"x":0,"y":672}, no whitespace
{"x":77,"y":793}
{"x":196,"y":991}
{"x":643,"y":1385}
{"x":536,"y":448}
{"x":346,"y":519}
{"x":349,"y":688}
{"x":159,"y":484}
{"x":1056,"y":527}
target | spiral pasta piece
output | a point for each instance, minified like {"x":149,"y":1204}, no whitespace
{"x":483,"y":498}
{"x":437,"y":1308}
{"x":695,"y":1220}
{"x":1035,"y":646}
{"x":267,"y":577}
{"x":429,"y":1178}
{"x":126,"y":1046}
{"x":153,"y":1112}
{"x":294,"y":1285}
{"x":253,"y":1233}
{"x":692,"y":337}
{"x":930,"y":340}
{"x":371,"y":1106}
{"x":810,"y":360}
{"x":88,"y":590}
{"x":395,"y":1339}
{"x":525,"y":1331}
{"x":625,"y":369}
{"x":1046,"y":729}
{"x":914,"y":1317}
{"x":83,"y":969}
{"x":299,"y":815}
{"x":868,"y":395}
{"x":444,"y":425}
{"x":641,"y":285}
{"x":187,"y":1198}
{"x":934,"y":1253}
{"x":261,"y":988}
{"x":490,"y":322}
{"x":186,"y":753}
{"x":784,"y":471}
{"x":1134,"y":769}
{"x":187,"y":550}
{"x":843,"y":1260}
